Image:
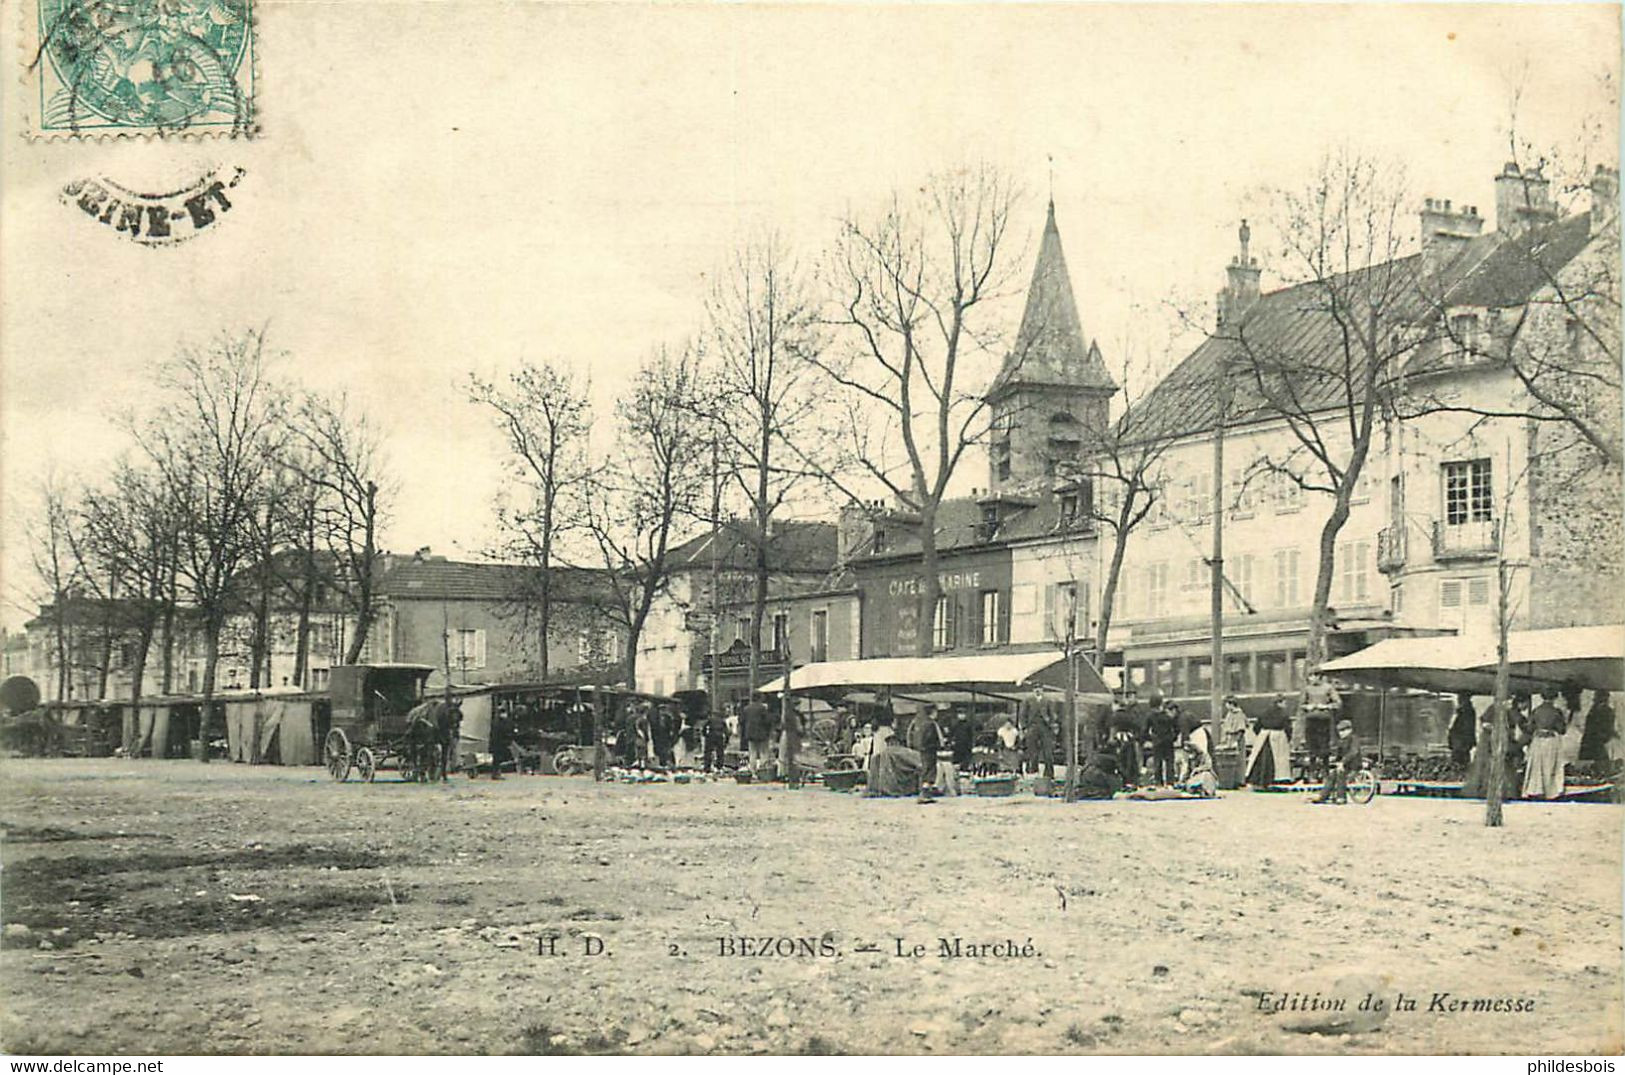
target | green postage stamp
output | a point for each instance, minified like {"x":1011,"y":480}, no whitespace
{"x":159,"y":67}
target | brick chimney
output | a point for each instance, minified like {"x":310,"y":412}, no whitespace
{"x":1522,"y":200}
{"x":1604,"y":197}
{"x":1446,"y":231}
{"x":1241,"y":287}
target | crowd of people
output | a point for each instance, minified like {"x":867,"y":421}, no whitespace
{"x":1149,"y":749}
{"x":1531,"y":760}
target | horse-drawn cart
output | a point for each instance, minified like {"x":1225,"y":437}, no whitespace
{"x":379,"y":720}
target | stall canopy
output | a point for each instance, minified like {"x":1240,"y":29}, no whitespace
{"x":1591,"y":657}
{"x":998,"y":674}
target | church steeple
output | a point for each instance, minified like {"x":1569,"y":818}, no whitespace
{"x":1053,"y":388}
{"x":1051,"y":347}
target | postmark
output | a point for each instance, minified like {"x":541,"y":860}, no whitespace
{"x":144,"y":67}
{"x":155,"y":219}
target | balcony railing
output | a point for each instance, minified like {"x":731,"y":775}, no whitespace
{"x":1391,"y":549}
{"x":1475,"y":540}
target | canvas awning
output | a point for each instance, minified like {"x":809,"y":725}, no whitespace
{"x":1589,"y":657}
{"x":999,"y":674}
{"x":1592,"y":657}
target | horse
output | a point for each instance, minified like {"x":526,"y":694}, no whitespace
{"x":432,"y":731}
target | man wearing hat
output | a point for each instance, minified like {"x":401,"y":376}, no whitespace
{"x":1345,"y":755}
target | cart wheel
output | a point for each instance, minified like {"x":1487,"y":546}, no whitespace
{"x":366,"y":764}
{"x":564,"y":761}
{"x":1362,"y":787}
{"x":336,"y":752}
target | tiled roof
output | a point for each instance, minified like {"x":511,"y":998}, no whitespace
{"x":1521,"y":266}
{"x":1292,"y":326}
{"x":793,"y":546}
{"x":458,"y":580}
{"x":1051,"y":348}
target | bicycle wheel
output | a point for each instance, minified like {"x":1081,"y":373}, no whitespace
{"x":1362,"y":787}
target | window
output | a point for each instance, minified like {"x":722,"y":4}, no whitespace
{"x":990,"y":521}
{"x":1001,"y":459}
{"x":318,"y":679}
{"x":1396,"y":598}
{"x":879,"y":542}
{"x":990,"y":618}
{"x":1156,"y":590}
{"x":1200,"y":679}
{"x":1195,"y":575}
{"x":1166,"y":674}
{"x":467,"y":646}
{"x":1286,"y":578}
{"x":1064,"y":599}
{"x":1353,"y":571}
{"x":781,"y":632}
{"x":1272,"y":671}
{"x":1069,"y":508}
{"x":1288,"y":494}
{"x":944,"y":623}
{"x":1361,"y":492}
{"x":1238,"y":673}
{"x":1240,"y":494}
{"x":1240,"y":571}
{"x":1478,"y":591}
{"x":742,"y":629}
{"x":1464,"y":331}
{"x":1467,"y":492}
{"x":1450,"y":594}
{"x":820,"y":635}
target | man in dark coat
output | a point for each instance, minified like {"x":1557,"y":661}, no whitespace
{"x":1125,"y":741}
{"x":1600,"y":729}
{"x":1038,"y":733}
{"x":1463,"y":730}
{"x":663,"y":734}
{"x":716,"y":739}
{"x":1164,"y":732}
{"x":925,"y":736}
{"x":756,"y":725}
{"x":964,"y":741}
{"x":501,"y":737}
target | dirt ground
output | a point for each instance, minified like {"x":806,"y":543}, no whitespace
{"x":172,"y":907}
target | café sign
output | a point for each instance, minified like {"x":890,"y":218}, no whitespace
{"x":948,"y":581}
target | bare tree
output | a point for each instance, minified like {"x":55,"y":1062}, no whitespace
{"x":133,"y":529}
{"x":1334,"y":382}
{"x":653,"y":486}
{"x":59,"y":571}
{"x":763,"y":332}
{"x":545,"y":418}
{"x":336,"y":452}
{"x":912,"y":290}
{"x":216,"y":447}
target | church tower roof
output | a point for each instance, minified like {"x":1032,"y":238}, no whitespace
{"x":1051,"y":348}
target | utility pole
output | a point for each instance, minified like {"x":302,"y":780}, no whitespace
{"x":716,"y":570}
{"x":1217,"y":679}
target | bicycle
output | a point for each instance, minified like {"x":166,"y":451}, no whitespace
{"x":1362,"y":785}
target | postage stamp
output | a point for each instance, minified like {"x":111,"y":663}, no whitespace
{"x":144,"y":67}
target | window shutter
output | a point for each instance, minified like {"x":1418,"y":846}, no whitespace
{"x":1478,"y":591}
{"x":479,"y":648}
{"x":1450,"y":593}
{"x":1049,"y":610}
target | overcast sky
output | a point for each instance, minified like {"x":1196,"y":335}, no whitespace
{"x":442,"y":188}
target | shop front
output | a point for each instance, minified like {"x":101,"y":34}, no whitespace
{"x":972,"y":611}
{"x":727,"y":673}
